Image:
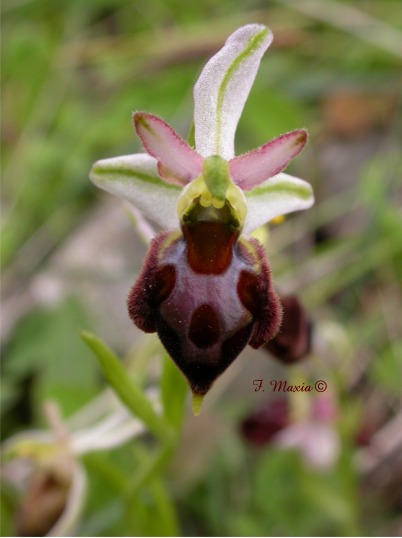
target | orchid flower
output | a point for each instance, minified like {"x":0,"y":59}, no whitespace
{"x":313,"y":433}
{"x":45,"y":466}
{"x":206,"y":285}
{"x":315,"y":436}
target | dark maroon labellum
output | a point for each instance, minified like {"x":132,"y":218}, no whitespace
{"x":208,"y":294}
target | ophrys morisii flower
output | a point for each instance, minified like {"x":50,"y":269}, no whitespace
{"x":206,"y":286}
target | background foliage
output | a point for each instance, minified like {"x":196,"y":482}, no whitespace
{"x":73,"y":72}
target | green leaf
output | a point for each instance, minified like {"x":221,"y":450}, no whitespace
{"x":173,"y":392}
{"x":157,"y":516}
{"x":165,"y":511}
{"x":7,"y":526}
{"x":44,"y":347}
{"x":386,"y":370}
{"x":150,"y":469}
{"x":126,"y":389}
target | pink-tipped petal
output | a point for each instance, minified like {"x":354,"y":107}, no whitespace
{"x":254,"y":167}
{"x":177,"y":162}
{"x":169,"y":176}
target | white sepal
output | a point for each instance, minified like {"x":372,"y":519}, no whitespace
{"x":277,"y":196}
{"x":135,"y":178}
{"x":223,"y":87}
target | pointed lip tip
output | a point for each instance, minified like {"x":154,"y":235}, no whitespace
{"x":197,"y":399}
{"x":196,"y":407}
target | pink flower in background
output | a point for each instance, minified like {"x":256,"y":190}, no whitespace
{"x":313,"y":435}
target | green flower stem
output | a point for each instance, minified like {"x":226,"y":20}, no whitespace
{"x":174,"y":392}
{"x":129,"y":392}
{"x":99,"y":463}
{"x":151,"y":468}
{"x":150,"y":476}
{"x":165,"y":508}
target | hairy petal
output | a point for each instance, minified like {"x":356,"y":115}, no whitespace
{"x":223,"y":87}
{"x":277,"y":196}
{"x":258,"y":295}
{"x":254,"y":167}
{"x":152,"y":286}
{"x":135,"y":179}
{"x":177,"y":162}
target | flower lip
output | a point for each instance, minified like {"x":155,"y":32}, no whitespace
{"x":202,"y":365}
{"x":205,"y":326}
{"x":208,"y":312}
{"x":209,"y":246}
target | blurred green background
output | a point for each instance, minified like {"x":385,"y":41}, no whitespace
{"x":72,"y":73}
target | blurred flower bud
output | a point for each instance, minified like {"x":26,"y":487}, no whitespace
{"x":293,"y":341}
{"x":43,"y":502}
{"x":50,"y":485}
{"x":260,"y":427}
{"x":313,"y":433}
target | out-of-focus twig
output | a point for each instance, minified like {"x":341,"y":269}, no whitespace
{"x":351,"y":20}
{"x":384,"y":444}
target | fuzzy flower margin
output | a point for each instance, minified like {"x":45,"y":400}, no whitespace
{"x":205,"y":286}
